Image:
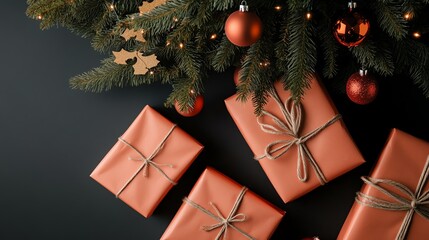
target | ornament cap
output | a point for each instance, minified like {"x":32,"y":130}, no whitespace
{"x":244,"y":7}
{"x":363,"y":72}
{"x":352,"y":5}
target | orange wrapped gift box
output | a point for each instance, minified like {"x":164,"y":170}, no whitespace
{"x":219,"y":208}
{"x":300,"y":146}
{"x":394,"y":202}
{"x":148,"y":159}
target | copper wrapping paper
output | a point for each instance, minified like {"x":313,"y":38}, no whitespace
{"x":332,"y":148}
{"x":262,"y":218}
{"x":402,"y":160}
{"x":145,"y":193}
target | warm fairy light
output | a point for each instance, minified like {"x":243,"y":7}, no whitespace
{"x":151,"y":72}
{"x":308,"y":15}
{"x":278,"y":7}
{"x":416,"y":35}
{"x":39,"y":17}
{"x":264,"y":64}
{"x":192,"y":91}
{"x":175,"y":19}
{"x":213,"y":36}
{"x":181,"y":45}
{"x":408,"y":16}
{"x":112,"y":7}
{"x":167,"y":43}
{"x":142,"y":31}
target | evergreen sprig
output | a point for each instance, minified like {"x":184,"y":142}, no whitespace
{"x":188,"y":38}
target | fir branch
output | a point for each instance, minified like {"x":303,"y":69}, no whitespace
{"x":190,"y":61}
{"x":420,"y":75}
{"x":225,"y":55}
{"x":389,"y":16}
{"x":50,"y":12}
{"x":221,"y":5}
{"x":256,"y":78}
{"x":383,"y":62}
{"x":281,"y":48}
{"x":103,"y":78}
{"x":301,"y":57}
{"x":365,"y":52}
{"x":160,"y":19}
{"x":330,"y":49}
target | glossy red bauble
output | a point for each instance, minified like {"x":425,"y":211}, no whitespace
{"x":351,"y":29}
{"x":198,"y":106}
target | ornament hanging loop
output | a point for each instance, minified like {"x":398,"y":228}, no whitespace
{"x":243,"y":6}
{"x":352,"y":5}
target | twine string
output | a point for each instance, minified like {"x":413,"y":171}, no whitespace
{"x":293,"y":115}
{"x":147,"y":161}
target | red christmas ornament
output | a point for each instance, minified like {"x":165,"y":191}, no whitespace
{"x":243,"y":28}
{"x":193,"y":111}
{"x":352,"y":28}
{"x":361,"y":88}
{"x":237,"y":76}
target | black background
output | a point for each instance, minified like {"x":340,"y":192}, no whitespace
{"x":52,"y":137}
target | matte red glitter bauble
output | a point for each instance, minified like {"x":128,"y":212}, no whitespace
{"x":361,"y":88}
{"x":243,"y":28}
{"x":198,"y":106}
{"x":351,"y":29}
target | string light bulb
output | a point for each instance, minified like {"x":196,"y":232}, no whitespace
{"x":278,"y":8}
{"x":417,"y":35}
{"x":308,"y":15}
{"x":112,"y":7}
{"x":151,"y":72}
{"x":181,"y":45}
{"x":39,"y":17}
{"x":175,"y":19}
{"x":167,"y":43}
{"x":213,"y":36}
{"x":264,"y":64}
{"x":408,"y":16}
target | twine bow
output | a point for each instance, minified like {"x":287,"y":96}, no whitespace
{"x":414,"y":203}
{"x":293,"y":114}
{"x":223,"y":223}
{"x":148,"y":161}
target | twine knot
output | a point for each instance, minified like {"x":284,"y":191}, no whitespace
{"x":299,"y":140}
{"x":417,"y":202}
{"x":148,"y":161}
{"x":290,"y":126}
{"x":223,"y":222}
{"x":413,"y":204}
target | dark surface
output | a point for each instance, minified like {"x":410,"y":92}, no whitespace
{"x":52,"y":137}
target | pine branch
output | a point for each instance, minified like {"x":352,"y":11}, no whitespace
{"x":301,"y":57}
{"x":256,"y":77}
{"x":389,"y":16}
{"x":221,"y":5}
{"x":365,"y":52}
{"x":111,"y":74}
{"x":161,"y":19}
{"x":103,"y":78}
{"x":225,"y":55}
